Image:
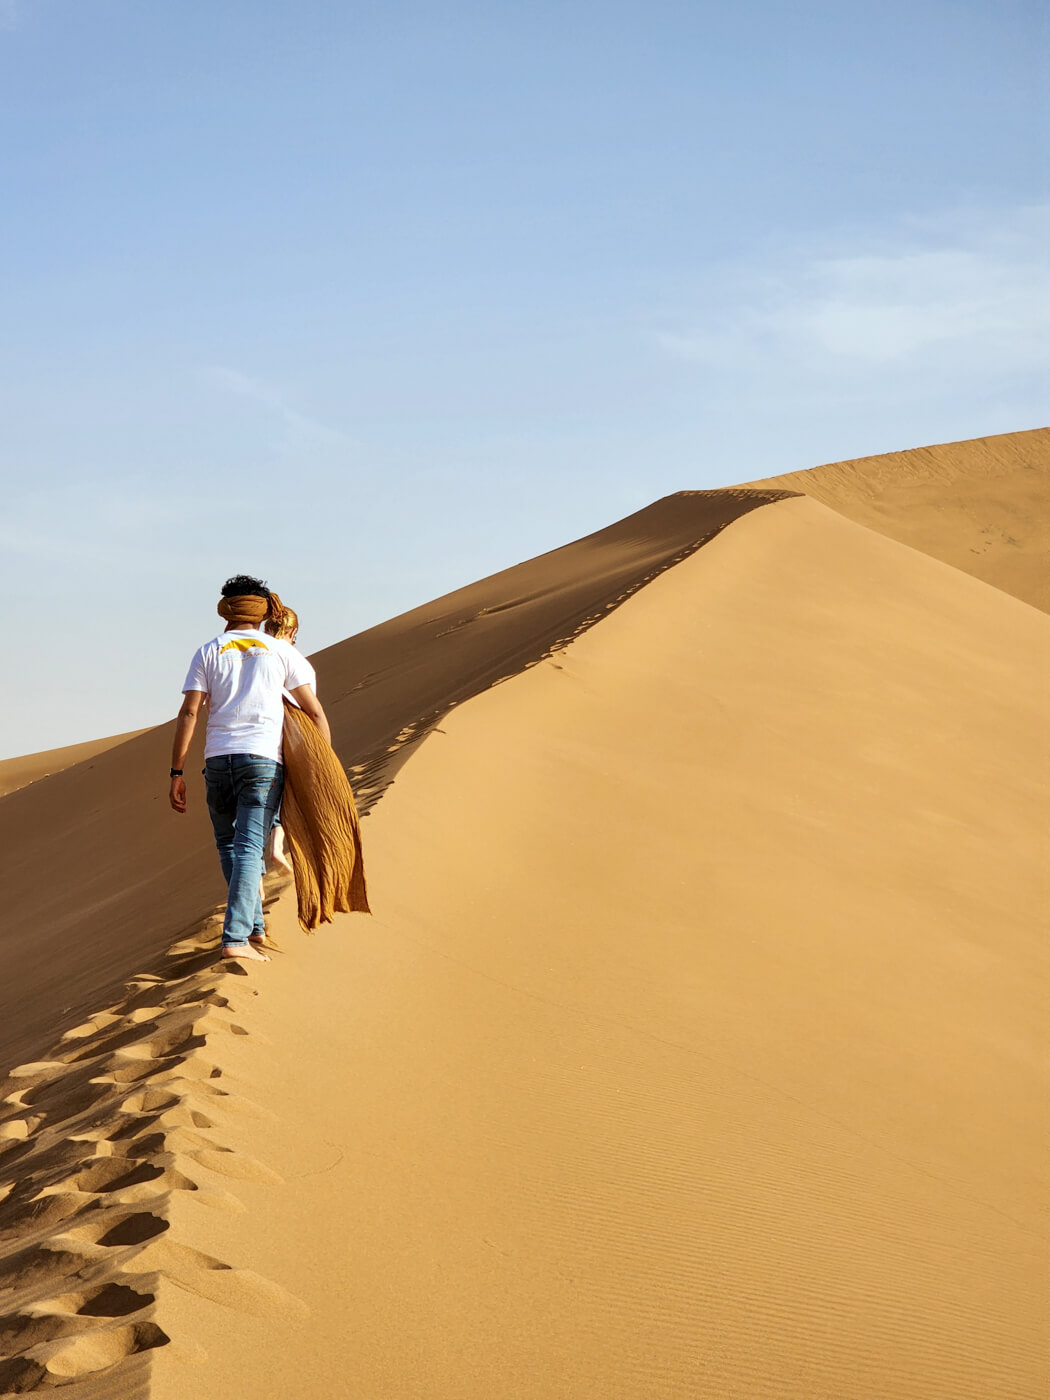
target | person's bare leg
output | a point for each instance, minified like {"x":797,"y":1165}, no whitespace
{"x":278,"y":856}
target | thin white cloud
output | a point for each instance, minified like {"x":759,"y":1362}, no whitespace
{"x":967,"y":295}
{"x":299,"y":428}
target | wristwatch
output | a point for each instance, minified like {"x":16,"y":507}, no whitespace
{"x":175,"y":773}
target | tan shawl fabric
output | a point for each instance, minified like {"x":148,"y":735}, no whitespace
{"x":321,"y":826}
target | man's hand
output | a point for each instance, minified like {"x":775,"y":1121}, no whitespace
{"x":177,"y":794}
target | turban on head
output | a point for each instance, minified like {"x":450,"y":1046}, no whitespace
{"x":249,"y":610}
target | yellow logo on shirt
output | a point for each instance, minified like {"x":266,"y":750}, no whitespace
{"x":244,"y":644}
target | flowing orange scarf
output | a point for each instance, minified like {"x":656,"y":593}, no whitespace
{"x":321,"y":826}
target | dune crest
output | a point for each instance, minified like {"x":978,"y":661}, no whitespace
{"x":982,"y":506}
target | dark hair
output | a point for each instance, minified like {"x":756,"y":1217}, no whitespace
{"x":242,"y":585}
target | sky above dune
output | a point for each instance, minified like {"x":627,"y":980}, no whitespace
{"x":376,"y":300}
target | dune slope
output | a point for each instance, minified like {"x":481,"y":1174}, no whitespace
{"x":696,"y":1047}
{"x":29,"y":768}
{"x":100,"y":876}
{"x":982,"y":506}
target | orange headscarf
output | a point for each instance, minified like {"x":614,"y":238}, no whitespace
{"x":249,"y":610}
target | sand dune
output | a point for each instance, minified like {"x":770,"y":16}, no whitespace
{"x":694,"y":1050}
{"x":28,"y":768}
{"x":131,"y":877}
{"x":982,"y":506}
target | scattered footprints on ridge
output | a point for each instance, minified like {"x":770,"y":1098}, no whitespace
{"x":93,"y":1141}
{"x":374,"y":773}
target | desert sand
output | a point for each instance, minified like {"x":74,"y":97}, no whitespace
{"x":982,"y":505}
{"x":19,"y":772}
{"x":696,"y":1047}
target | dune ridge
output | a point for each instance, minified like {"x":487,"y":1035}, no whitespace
{"x":982,"y":505}
{"x":100,"y":877}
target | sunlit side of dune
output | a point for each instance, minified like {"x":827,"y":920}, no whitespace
{"x":982,"y":506}
{"x":695,"y":1049}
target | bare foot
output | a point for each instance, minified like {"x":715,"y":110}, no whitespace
{"x":242,"y":952}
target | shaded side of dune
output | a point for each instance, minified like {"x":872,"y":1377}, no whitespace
{"x":982,"y":506}
{"x":29,"y":768}
{"x":101,"y":875}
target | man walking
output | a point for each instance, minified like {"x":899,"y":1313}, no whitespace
{"x":243,"y":673}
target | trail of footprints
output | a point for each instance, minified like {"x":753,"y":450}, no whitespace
{"x":93,"y":1142}
{"x":371,"y":776}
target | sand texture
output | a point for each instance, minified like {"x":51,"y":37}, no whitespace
{"x":696,"y":1047}
{"x":982,"y":506}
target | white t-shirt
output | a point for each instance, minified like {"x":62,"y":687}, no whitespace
{"x":244,"y":674}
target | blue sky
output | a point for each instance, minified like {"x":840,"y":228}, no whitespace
{"x":375,"y":300}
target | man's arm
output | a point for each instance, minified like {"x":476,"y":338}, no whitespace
{"x":185,"y":724}
{"x":310,"y":705}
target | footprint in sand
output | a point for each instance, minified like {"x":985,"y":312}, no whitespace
{"x":181,"y":1116}
{"x":131,"y":1230}
{"x":37,"y":1265}
{"x":114,"y":1174}
{"x":48,"y":1209}
{"x":100,"y":1046}
{"x":95,"y":1026}
{"x":72,"y":1093}
{"x":112,"y":1300}
{"x":50,"y":1318}
{"x":17,"y":1129}
{"x":20,"y":1331}
{"x":24,"y":1335}
{"x":150,"y":1101}
{"x":124,"y":1068}
{"x":54,"y":1363}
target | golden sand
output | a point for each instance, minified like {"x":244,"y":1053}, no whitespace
{"x":696,"y":1048}
{"x":982,"y":506}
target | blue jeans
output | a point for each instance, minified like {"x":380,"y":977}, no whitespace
{"x":244,"y":792}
